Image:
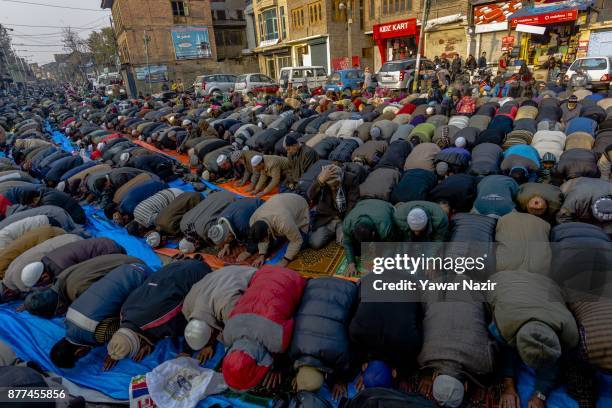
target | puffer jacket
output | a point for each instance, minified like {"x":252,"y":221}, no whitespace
{"x":136,"y":195}
{"x":495,"y":196}
{"x":486,"y":158}
{"x":287,"y":215}
{"x":424,"y":132}
{"x":56,"y":215}
{"x":389,"y":331}
{"x":579,"y":140}
{"x":79,"y":251}
{"x":78,"y":169}
{"x":65,"y":201}
{"x":320,"y":336}
{"x":580,"y":194}
{"x":581,"y":125}
{"x":379,"y":183}
{"x":197,"y":221}
{"x":12,"y":278}
{"x":154,"y":308}
{"x":517,"y":299}
{"x":576,"y":163}
{"x":385,"y":129}
{"x":457,"y":158}
{"x":264,"y":313}
{"x":16,"y":229}
{"x":326,"y":146}
{"x":344,"y":128}
{"x":207,"y":146}
{"x":422,"y":157}
{"x":521,"y":156}
{"x":387,"y":397}
{"x":61,"y":166}
{"x":522,"y":243}
{"x":26,"y":241}
{"x":549,"y":141}
{"x":459,"y":190}
{"x":101,"y":301}
{"x":212,"y":299}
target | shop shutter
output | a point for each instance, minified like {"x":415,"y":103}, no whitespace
{"x":600,"y":44}
{"x":491,"y":43}
{"x":318,"y":55}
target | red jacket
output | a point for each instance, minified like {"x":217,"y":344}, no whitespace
{"x":407,"y":108}
{"x":266,"y":309}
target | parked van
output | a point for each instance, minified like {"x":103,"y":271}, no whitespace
{"x":298,"y":77}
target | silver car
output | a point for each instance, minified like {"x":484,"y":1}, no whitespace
{"x":252,"y":84}
{"x":400,"y":74}
{"x":210,"y":84}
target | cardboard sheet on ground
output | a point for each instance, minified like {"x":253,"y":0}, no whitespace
{"x":183,"y":158}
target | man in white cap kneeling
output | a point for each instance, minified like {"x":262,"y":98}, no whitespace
{"x":421,"y":221}
{"x":208,"y":305}
{"x":271,"y":170}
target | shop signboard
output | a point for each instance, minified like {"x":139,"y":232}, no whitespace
{"x":546,"y":18}
{"x":395,"y":29}
{"x":191,"y":42}
{"x":495,"y":12}
{"x":340,"y":63}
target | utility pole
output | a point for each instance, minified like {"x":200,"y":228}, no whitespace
{"x":417,"y":65}
{"x":349,"y":23}
{"x":146,"y":39}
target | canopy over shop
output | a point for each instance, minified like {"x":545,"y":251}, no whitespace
{"x":396,"y":40}
{"x":491,"y":25}
{"x":560,"y":24}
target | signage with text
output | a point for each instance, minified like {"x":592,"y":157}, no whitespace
{"x":546,"y":18}
{"x":395,"y":29}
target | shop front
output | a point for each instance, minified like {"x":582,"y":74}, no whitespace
{"x":446,"y":37}
{"x":549,"y":31}
{"x":272,"y":59}
{"x":396,"y":40}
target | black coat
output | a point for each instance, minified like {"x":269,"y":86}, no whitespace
{"x":320,"y":333}
{"x":65,"y":201}
{"x":414,"y":184}
{"x":395,"y":155}
{"x":486,"y":158}
{"x":162,"y":294}
{"x":459,"y":190}
{"x":388,"y":331}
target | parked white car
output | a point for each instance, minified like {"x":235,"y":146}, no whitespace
{"x":218,"y":83}
{"x":254,"y":84}
{"x":598,"y":70}
{"x":299,"y":77}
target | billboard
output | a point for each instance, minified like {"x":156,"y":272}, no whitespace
{"x":191,"y":42}
{"x":495,"y":12}
{"x":156,"y":73}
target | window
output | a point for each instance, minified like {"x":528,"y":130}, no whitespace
{"x":397,"y":5}
{"x":298,"y":73}
{"x":366,"y":52}
{"x":320,"y":72}
{"x":261,"y":30}
{"x":283,"y":24}
{"x":314,"y":13}
{"x":361,"y":14}
{"x":402,"y":5}
{"x":179,"y":9}
{"x":270,"y":25}
{"x":220,"y":14}
{"x":338,"y":14}
{"x":372,"y":10}
{"x":240,"y":14}
{"x":297,"y":18}
{"x":594,"y":64}
{"x":385,"y":9}
{"x":409,"y":7}
{"x":302,"y":17}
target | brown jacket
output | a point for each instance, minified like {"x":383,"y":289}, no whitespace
{"x":81,"y":175}
{"x":28,"y":240}
{"x":275,"y":168}
{"x":136,"y":181}
{"x":287,"y":215}
{"x":422,"y":157}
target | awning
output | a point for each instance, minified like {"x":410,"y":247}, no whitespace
{"x":550,"y":13}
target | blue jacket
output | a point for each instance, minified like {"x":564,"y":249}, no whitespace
{"x":61,"y":166}
{"x":78,"y":169}
{"x":45,"y":164}
{"x":139,"y":193}
{"x":522,"y":156}
{"x":587,"y":125}
{"x":102,"y":300}
{"x":496,"y":195}
{"x":320,"y":334}
{"x":238,"y":214}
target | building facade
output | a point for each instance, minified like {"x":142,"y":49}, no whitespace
{"x":161,"y":41}
{"x":329,"y":34}
{"x":273,"y":50}
{"x":394,"y":27}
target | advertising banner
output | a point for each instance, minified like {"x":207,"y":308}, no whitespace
{"x":495,"y":12}
{"x":546,"y":18}
{"x":191,"y":42}
{"x":156,"y":73}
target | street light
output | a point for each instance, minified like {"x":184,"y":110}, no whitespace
{"x":349,"y":22}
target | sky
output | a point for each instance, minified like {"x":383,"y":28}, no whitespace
{"x":40,"y":43}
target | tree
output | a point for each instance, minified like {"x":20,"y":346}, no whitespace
{"x":76,"y":47}
{"x":103,"y":47}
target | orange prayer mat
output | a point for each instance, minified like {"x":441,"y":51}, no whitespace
{"x":231,"y":187}
{"x":183,"y":158}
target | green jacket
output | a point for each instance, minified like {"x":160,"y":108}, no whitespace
{"x":376,"y":212}
{"x":437,"y":226}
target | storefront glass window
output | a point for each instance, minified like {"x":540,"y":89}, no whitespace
{"x":385,"y":8}
{"x":372,"y":10}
